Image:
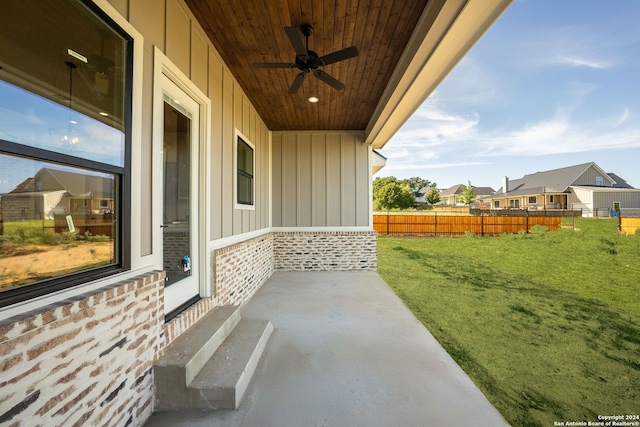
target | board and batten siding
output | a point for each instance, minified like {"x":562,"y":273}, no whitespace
{"x":589,"y":178}
{"x":170,"y":26}
{"x":602,"y":197}
{"x":627,"y":199}
{"x":320,"y":179}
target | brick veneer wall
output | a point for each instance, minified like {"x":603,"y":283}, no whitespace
{"x":331,"y":250}
{"x":86,"y":361}
{"x":240,"y":269}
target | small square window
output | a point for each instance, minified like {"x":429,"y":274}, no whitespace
{"x":599,"y":181}
{"x":533,"y":200}
{"x":496,"y":204}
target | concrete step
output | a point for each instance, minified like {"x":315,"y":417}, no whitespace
{"x":225,"y":378}
{"x":184,"y":358}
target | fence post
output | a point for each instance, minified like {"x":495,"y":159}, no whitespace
{"x":482,"y":224}
{"x":387,"y":223}
{"x":619,"y":222}
{"x":435,"y":226}
{"x":527,"y":220}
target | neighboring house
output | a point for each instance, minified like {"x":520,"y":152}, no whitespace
{"x":222,"y":172}
{"x":451,"y":195}
{"x":585,"y":186}
{"x":53,"y":191}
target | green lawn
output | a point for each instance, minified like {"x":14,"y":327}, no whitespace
{"x":546,"y":324}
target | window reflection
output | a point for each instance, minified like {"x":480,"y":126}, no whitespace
{"x":62,"y":80}
{"x":54,"y":221}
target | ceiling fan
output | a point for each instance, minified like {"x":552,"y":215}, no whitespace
{"x":307,"y":61}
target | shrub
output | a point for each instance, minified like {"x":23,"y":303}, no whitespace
{"x":52,"y":238}
{"x":538,"y":230}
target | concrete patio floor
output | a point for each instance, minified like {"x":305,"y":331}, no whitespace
{"x":345,"y":351}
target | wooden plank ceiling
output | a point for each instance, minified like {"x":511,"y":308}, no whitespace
{"x":245,"y":32}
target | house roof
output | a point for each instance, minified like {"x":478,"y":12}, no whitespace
{"x":598,"y":189}
{"x":457,"y":189}
{"x":77,"y":185}
{"x":406,"y":48}
{"x":619,"y":182}
{"x":483,"y":191}
{"x":551,"y":181}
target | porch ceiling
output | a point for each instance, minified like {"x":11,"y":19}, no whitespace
{"x":390,"y":36}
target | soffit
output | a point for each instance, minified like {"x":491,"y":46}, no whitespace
{"x":406,"y":47}
{"x":244,"y":32}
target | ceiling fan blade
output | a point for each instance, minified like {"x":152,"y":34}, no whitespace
{"x":297,"y":82}
{"x":337,"y":85}
{"x":339,"y":55}
{"x":272,"y":65}
{"x":296,"y":41}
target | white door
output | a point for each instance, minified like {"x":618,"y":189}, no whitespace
{"x":180,"y":149}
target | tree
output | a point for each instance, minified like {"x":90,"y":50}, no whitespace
{"x":416,"y":183}
{"x":467,"y":196}
{"x":381,"y":182}
{"x":393,"y":195}
{"x":433,"y":196}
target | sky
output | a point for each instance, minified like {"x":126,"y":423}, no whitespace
{"x":553,"y":83}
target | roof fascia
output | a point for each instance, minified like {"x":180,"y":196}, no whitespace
{"x":446,"y":31}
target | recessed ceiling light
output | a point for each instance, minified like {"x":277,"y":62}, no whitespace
{"x":102,"y":113}
{"x":313,"y":99}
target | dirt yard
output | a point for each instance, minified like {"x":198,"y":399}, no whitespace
{"x":38,"y":262}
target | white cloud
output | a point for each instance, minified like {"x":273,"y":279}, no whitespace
{"x":624,"y":117}
{"x":561,"y":135}
{"x":437,"y":138}
{"x":583,"y":62}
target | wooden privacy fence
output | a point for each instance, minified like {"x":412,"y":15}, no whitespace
{"x":629,"y":225}
{"x":449,"y":225}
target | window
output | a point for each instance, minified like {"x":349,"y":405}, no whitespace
{"x":514,"y":203}
{"x":599,"y":181}
{"x":496,"y":204}
{"x":245,"y":164}
{"x":533,"y":200}
{"x":64,"y":135}
{"x":550,"y":199}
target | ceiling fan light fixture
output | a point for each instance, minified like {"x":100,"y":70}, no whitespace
{"x":308,"y":61}
{"x":313,"y":99}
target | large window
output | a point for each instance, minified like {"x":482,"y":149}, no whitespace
{"x":245,"y":171}
{"x":65,"y":73}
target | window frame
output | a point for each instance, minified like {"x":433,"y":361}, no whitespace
{"x":599,"y":181}
{"x":532,"y":200}
{"x":122,"y":174}
{"x":238,"y":136}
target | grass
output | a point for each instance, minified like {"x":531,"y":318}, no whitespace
{"x":546,"y":324}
